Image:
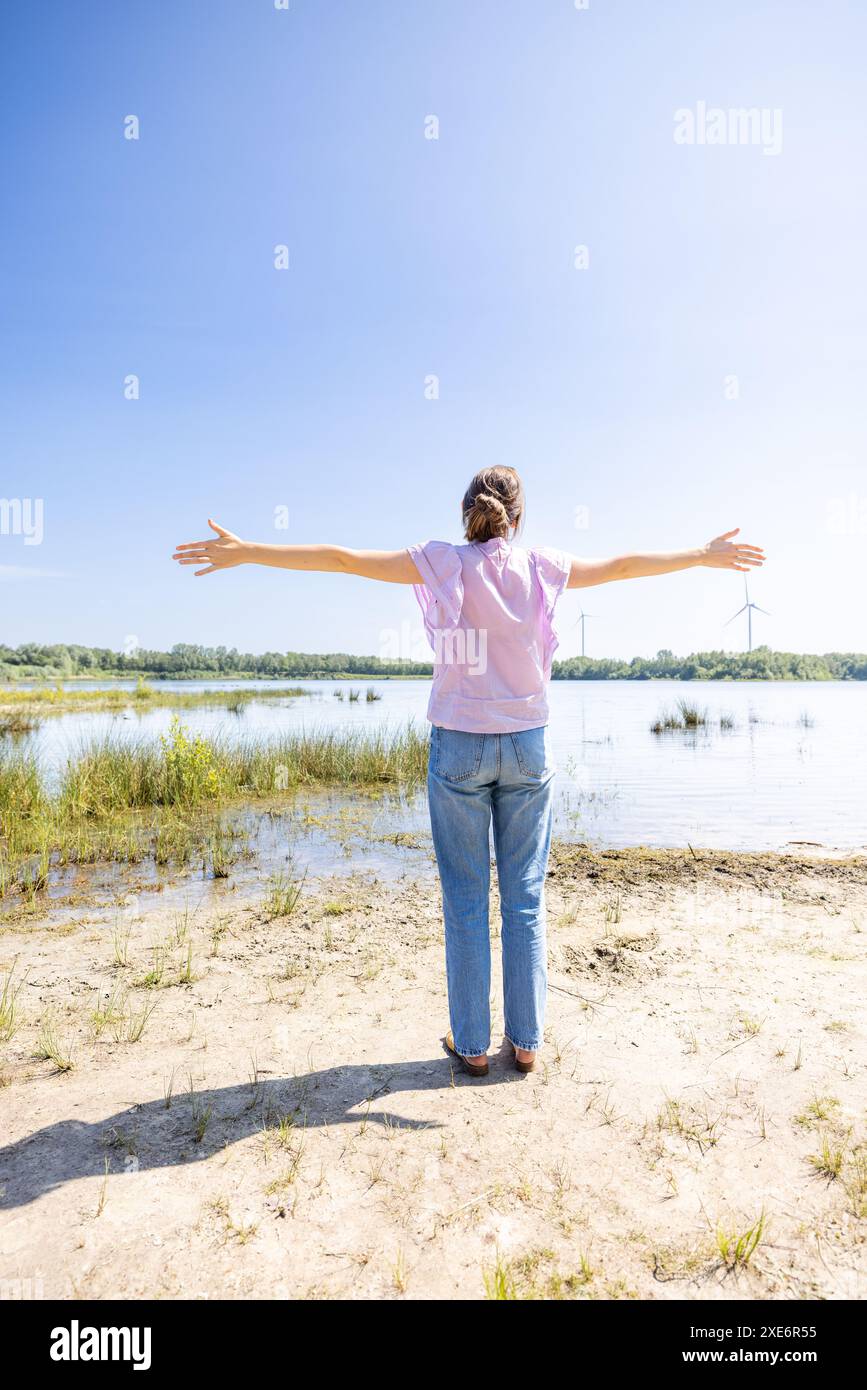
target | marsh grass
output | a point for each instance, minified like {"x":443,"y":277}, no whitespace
{"x":283,"y":894}
{"x":685,"y":716}
{"x":124,"y":801}
{"x":18,"y":722}
{"x":46,"y":699}
{"x":222,"y":854}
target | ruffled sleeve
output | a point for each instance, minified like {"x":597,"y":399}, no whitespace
{"x":441,"y":596}
{"x":553,"y":568}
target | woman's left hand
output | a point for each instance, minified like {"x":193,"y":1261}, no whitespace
{"x":723,"y":554}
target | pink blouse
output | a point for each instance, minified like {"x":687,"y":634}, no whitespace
{"x":488,"y":612}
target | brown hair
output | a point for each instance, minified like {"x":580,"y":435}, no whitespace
{"x":493,"y":504}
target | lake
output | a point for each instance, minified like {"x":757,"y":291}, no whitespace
{"x":791,"y":768}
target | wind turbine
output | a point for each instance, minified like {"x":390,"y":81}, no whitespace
{"x":582,"y":617}
{"x":748,"y":609}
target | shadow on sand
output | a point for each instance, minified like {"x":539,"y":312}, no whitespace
{"x":194,"y":1124}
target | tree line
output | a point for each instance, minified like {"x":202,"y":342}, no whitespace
{"x":187,"y":661}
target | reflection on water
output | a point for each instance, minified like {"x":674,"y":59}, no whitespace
{"x":792,"y":767}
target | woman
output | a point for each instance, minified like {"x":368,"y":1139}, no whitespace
{"x":488,"y":610}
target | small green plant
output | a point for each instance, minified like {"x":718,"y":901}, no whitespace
{"x":283,"y":894}
{"x":855,"y":1181}
{"x":136,"y":1021}
{"x":120,"y":941}
{"x":103,"y":1190}
{"x":820,"y":1110}
{"x":231,"y":1230}
{"x":500,"y":1281}
{"x":50,"y":1049}
{"x":218,"y":931}
{"x":186,"y":975}
{"x":9,"y":1005}
{"x":107,"y":1014}
{"x":399,"y":1273}
{"x":614,"y":911}
{"x":201,"y":1114}
{"x":154,"y":977}
{"x":828,"y":1163}
{"x":738,"y":1247}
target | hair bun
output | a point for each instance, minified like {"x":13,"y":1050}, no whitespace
{"x":493,"y":504}
{"x":487,"y":502}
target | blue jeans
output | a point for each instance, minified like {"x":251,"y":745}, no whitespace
{"x":474,"y":780}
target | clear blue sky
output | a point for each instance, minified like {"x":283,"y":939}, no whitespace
{"x":305,"y":388}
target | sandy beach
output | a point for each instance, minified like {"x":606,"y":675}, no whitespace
{"x":226,"y":1104}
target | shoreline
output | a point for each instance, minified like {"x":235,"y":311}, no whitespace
{"x":642,"y":870}
{"x":13,"y":682}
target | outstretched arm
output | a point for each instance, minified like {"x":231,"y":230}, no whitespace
{"x":720,"y":553}
{"x":225,"y":550}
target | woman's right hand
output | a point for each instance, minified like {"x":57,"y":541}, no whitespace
{"x":220,"y":554}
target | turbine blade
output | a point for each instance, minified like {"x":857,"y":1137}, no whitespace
{"x":735,"y":615}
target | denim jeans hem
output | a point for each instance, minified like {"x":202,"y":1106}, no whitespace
{"x":471,"y":1051}
{"x":524,"y":1046}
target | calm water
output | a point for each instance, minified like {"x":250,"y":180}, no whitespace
{"x":793,"y":767}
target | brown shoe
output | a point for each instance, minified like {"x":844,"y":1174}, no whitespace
{"x":474,"y":1068}
{"x":524,"y":1066}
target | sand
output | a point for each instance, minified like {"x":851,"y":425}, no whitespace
{"x":288,"y":1125}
